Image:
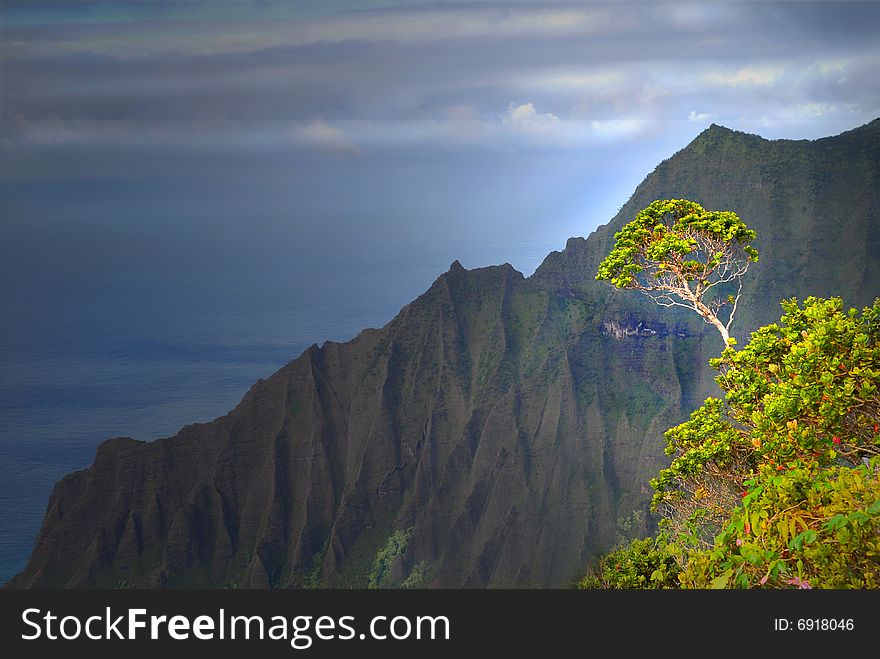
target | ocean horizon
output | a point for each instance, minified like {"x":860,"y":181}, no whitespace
{"x":89,"y":354}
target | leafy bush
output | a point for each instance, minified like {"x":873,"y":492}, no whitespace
{"x":809,"y":527}
{"x":420,"y":576}
{"x":777,"y":485}
{"x":394,"y":547}
{"x":645,"y":563}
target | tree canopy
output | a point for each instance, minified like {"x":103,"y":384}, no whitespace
{"x":777,"y":485}
{"x":680,"y":254}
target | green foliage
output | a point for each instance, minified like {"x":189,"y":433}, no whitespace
{"x":680,"y":254}
{"x":632,"y":526}
{"x":645,"y":563}
{"x":802,"y":392}
{"x":313,"y":579}
{"x":665,"y":233}
{"x":807,"y":389}
{"x":420,"y":576}
{"x":807,"y":527}
{"x":394,"y":547}
{"x":706,"y":444}
{"x":778,"y":485}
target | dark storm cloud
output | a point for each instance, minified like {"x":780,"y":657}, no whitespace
{"x":401,"y":72}
{"x":402,"y":115}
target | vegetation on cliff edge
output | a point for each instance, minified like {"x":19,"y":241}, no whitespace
{"x":777,"y":485}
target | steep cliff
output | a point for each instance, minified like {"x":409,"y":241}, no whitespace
{"x":498,"y":430}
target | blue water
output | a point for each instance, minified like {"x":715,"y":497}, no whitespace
{"x":134,"y":308}
{"x":144,"y":358}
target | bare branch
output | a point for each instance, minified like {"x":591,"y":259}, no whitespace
{"x":735,"y":302}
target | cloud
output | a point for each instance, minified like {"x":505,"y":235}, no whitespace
{"x":170,"y":29}
{"x":461,"y":112}
{"x":614,"y":129}
{"x":318,"y":135}
{"x":526,"y":119}
{"x":814,"y":110}
{"x":694,"y":16}
{"x":749,"y":76}
{"x":326,"y":138}
{"x":834,"y":66}
{"x":592,"y":80}
{"x":343,"y":79}
{"x":46,"y":133}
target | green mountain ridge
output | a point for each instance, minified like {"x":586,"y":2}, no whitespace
{"x":497,"y":432}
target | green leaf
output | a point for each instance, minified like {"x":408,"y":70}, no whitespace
{"x":755,"y":519}
{"x":874,"y":508}
{"x":720,"y":582}
{"x":836,"y":522}
{"x":802,"y":538}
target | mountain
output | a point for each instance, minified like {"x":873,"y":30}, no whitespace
{"x":498,"y":432}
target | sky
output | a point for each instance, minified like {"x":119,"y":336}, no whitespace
{"x":490,"y":130}
{"x":184,"y":136}
{"x":122,"y":84}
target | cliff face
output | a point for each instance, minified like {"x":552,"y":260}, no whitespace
{"x":495,"y":433}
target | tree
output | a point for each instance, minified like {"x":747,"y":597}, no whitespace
{"x":680,"y":254}
{"x":777,"y":485}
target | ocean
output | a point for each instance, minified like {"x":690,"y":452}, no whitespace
{"x":145,"y":289}
{"x":115,"y":323}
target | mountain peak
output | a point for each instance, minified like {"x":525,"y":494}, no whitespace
{"x":716,"y":131}
{"x":456,"y":266}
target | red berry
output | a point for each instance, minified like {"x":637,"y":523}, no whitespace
{"x":836,"y":440}
{"x":744,"y":493}
{"x":779,"y":467}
